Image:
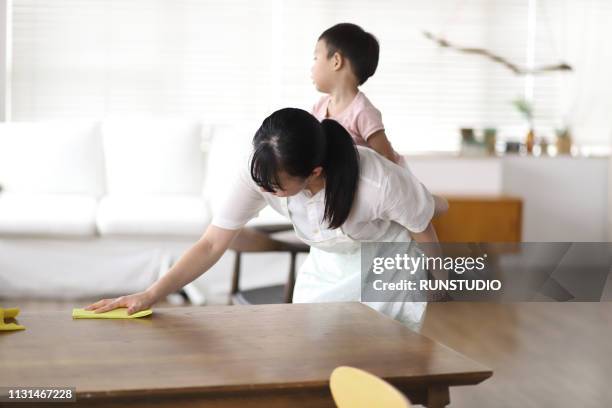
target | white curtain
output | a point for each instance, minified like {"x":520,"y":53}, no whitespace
{"x":239,"y":59}
{"x":581,"y":32}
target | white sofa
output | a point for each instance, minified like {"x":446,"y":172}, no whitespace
{"x":95,"y":209}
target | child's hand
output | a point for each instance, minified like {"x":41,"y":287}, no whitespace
{"x":134,"y":303}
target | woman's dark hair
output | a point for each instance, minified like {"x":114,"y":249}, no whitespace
{"x":294,"y":141}
{"x":353,"y":43}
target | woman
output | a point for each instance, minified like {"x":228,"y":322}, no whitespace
{"x":336,"y":195}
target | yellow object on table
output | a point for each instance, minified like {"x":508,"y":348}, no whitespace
{"x":9,"y":314}
{"x":120,"y":313}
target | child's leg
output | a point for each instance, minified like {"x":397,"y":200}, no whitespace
{"x":440,"y":204}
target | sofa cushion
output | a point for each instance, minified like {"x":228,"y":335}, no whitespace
{"x":51,"y":157}
{"x":229,"y":149}
{"x":47,"y":214}
{"x":159,"y":215}
{"x":153,"y":156}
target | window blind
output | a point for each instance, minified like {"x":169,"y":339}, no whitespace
{"x":230,"y":60}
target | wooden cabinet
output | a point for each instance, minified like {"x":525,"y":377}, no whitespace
{"x":480,"y":219}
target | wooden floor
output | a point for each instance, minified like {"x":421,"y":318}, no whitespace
{"x":542,"y":354}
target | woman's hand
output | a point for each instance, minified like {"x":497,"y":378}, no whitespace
{"x":134,"y":303}
{"x":198,"y":259}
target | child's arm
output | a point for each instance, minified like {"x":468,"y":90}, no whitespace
{"x":197,"y":260}
{"x":379,"y":142}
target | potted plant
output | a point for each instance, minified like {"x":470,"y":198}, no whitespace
{"x":564,"y":140}
{"x":525,"y":108}
{"x":490,"y":138}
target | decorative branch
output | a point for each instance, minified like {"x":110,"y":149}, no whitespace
{"x":496,"y":58}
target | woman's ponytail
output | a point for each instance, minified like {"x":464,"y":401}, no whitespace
{"x":341,"y":167}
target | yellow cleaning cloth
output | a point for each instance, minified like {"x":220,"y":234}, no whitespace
{"x":9,"y":314}
{"x":120,"y":313}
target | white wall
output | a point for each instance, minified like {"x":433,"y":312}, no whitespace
{"x":564,"y":198}
{"x":5,"y":59}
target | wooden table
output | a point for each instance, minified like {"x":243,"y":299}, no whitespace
{"x":227,"y":356}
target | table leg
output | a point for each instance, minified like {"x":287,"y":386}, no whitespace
{"x":437,"y":396}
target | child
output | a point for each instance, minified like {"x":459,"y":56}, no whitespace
{"x":345,"y":57}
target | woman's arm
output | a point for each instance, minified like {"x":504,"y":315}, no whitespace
{"x":197,"y":260}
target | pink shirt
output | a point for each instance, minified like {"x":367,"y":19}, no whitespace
{"x":360,"y":118}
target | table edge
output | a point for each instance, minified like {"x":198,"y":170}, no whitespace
{"x":412,"y":382}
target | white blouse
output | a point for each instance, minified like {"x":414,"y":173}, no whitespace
{"x":388,"y":198}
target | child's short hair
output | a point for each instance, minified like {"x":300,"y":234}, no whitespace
{"x":358,"y":46}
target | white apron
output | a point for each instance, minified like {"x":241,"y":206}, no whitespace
{"x":332,"y":273}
